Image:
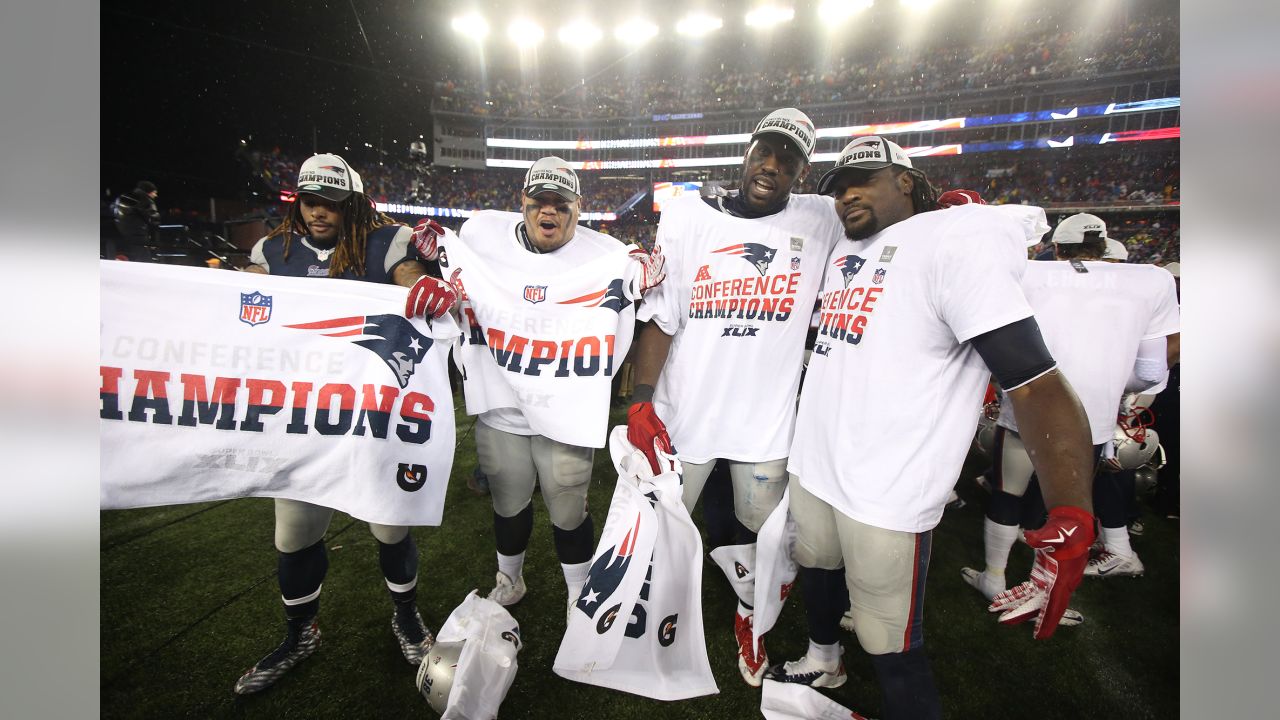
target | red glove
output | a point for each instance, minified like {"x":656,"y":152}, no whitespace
{"x":646,"y":432}
{"x":1062,"y":550}
{"x":960,"y":197}
{"x":425,"y":235}
{"x":649,"y":272}
{"x":430,"y":297}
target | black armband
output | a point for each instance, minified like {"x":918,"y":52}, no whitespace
{"x":1015,"y":353}
{"x":642,"y":393}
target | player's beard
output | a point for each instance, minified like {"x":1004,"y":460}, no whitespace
{"x":864,"y":228}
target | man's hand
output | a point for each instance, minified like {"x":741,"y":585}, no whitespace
{"x":424,"y":238}
{"x":430,"y":297}
{"x":649,"y":272}
{"x":1062,"y":550}
{"x":646,"y":432}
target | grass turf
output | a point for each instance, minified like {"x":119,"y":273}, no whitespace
{"x":189,"y":600}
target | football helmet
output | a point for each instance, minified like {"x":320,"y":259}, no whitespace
{"x":436,"y":673}
{"x":1135,"y":448}
{"x":1144,"y":480}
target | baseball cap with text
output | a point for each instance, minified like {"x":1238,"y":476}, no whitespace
{"x":792,"y":124}
{"x":552,"y":174}
{"x":1079,"y":228}
{"x":870,"y":152}
{"x":328,"y":176}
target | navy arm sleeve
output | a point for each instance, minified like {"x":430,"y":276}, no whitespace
{"x":1015,"y":353}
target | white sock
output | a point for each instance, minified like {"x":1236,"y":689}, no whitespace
{"x":511,"y":565}
{"x":575,"y":576}
{"x":1116,"y":540}
{"x":999,"y":541}
{"x":828,"y":656}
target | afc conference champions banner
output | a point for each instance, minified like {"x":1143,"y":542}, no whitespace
{"x":220,"y":384}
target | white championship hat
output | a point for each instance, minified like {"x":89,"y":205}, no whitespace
{"x":870,"y":152}
{"x":1078,"y":228}
{"x":1115,"y":251}
{"x":328,"y":176}
{"x":792,"y":124}
{"x":552,"y":174}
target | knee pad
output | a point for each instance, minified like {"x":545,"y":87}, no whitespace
{"x":299,"y":525}
{"x":757,"y":490}
{"x":817,"y":555}
{"x":564,"y":474}
{"x":389,"y":534}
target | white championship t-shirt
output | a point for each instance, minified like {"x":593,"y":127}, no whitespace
{"x":737,"y":301}
{"x":887,"y":410}
{"x":1092,"y":323}
{"x":542,"y":334}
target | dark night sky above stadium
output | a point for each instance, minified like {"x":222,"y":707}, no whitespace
{"x":183,"y":83}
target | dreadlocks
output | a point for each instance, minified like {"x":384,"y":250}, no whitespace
{"x":924,"y":196}
{"x":359,"y":218}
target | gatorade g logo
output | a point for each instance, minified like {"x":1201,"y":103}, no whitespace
{"x":740,"y":570}
{"x":411,"y":478}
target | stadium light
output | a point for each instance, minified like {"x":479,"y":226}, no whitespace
{"x":582,"y":33}
{"x":473,"y":26}
{"x":767,"y":16}
{"x":917,"y":5}
{"x":698,"y":24}
{"x":636,"y":31}
{"x":525,"y":32}
{"x":835,"y":11}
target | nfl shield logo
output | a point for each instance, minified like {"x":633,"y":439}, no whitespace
{"x":255,"y":308}
{"x":535,"y":293}
{"x":795,"y":264}
{"x":878,"y":277}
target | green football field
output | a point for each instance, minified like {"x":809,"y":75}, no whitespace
{"x":189,"y":601}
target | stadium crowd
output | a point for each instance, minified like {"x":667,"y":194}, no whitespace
{"x":865,"y":74}
{"x":1088,"y":178}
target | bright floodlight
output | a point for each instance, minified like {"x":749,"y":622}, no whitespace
{"x":473,"y":26}
{"x":917,"y":4}
{"x":835,"y":11}
{"x":525,"y":32}
{"x":635,"y":31}
{"x":582,"y":33}
{"x":769,"y":15}
{"x":698,"y":24}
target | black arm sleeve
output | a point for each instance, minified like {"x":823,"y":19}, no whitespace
{"x":1015,"y":353}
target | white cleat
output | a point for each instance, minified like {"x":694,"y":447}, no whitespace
{"x":985,"y":583}
{"x":1109,"y":564}
{"x":508,"y":592}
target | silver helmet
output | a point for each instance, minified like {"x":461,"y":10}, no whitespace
{"x":436,"y":673}
{"x":1136,"y":449}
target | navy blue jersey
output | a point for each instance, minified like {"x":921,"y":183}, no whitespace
{"x":387,"y":247}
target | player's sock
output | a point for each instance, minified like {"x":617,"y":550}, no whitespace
{"x":511,"y":565}
{"x":998,"y":540}
{"x":1034,"y":513}
{"x":512,"y":533}
{"x":1116,"y":540}
{"x":717,"y":507}
{"x":575,"y":576}
{"x":301,"y":574}
{"x":828,"y":656}
{"x":399,"y":563}
{"x":907,"y":685}
{"x":576,"y":545}
{"x":1108,"y":501}
{"x":826,"y":597}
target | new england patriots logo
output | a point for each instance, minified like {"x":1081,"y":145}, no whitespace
{"x":611,"y":297}
{"x":607,"y":572}
{"x":336,"y":169}
{"x":849,"y":266}
{"x":391,"y":337}
{"x":758,"y":255}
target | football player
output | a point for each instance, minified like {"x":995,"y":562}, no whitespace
{"x":725,"y":335}
{"x":927,"y":306}
{"x":333,"y":231}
